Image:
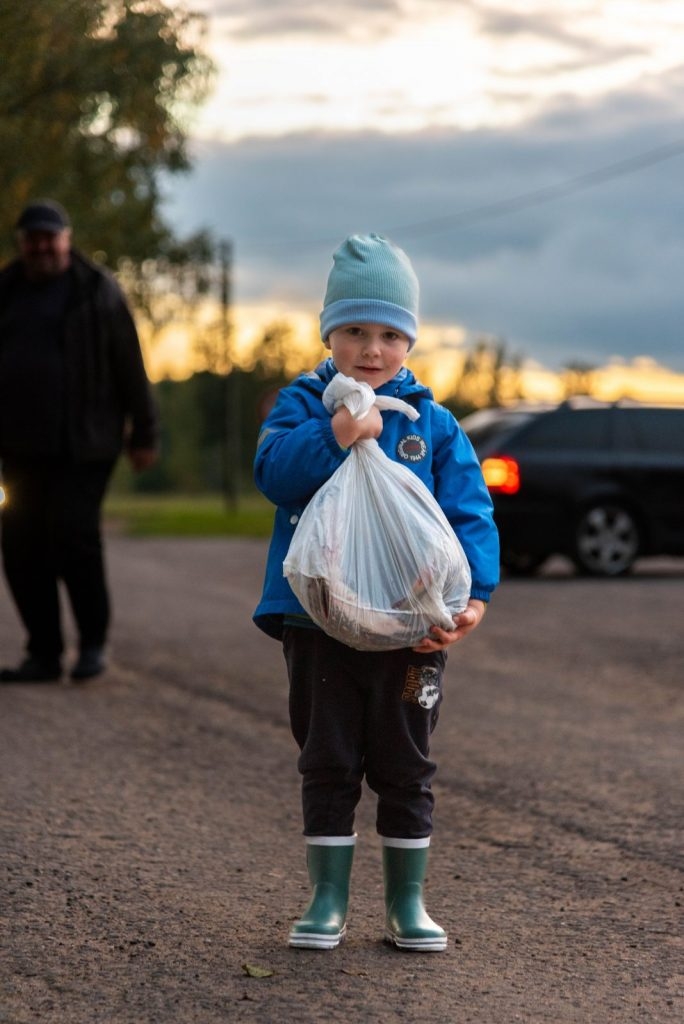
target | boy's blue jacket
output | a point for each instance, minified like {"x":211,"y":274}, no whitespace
{"x":297,"y":452}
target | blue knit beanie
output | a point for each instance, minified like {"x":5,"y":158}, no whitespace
{"x":372,"y":281}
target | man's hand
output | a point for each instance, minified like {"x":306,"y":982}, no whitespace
{"x":142,"y":458}
{"x":465,"y":622}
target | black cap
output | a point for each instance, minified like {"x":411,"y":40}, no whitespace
{"x":43,"y":215}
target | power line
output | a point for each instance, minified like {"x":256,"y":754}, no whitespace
{"x":537,"y":197}
{"x":523,"y":201}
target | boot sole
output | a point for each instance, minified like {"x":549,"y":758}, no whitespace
{"x":435,"y":945}
{"x":311,"y":940}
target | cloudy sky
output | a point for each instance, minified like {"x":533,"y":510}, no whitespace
{"x":528,"y":156}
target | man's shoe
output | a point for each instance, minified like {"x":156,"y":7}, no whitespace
{"x":91,"y":662}
{"x":33,"y":670}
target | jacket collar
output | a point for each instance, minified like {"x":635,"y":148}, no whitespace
{"x":401,"y":386}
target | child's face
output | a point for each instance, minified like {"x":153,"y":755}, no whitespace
{"x":368,"y":352}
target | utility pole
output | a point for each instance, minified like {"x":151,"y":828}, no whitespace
{"x":232,"y":446}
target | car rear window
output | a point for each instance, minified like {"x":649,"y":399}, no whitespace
{"x":651,"y":430}
{"x":487,"y":425}
{"x":579,"y":429}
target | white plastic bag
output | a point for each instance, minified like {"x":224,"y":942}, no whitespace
{"x":374,"y":560}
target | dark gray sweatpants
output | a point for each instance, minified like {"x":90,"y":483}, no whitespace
{"x":356,"y":713}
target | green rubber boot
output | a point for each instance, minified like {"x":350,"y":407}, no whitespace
{"x":329,"y":860}
{"x":408,"y":925}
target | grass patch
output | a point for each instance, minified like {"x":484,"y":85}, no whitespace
{"x":138,"y":515}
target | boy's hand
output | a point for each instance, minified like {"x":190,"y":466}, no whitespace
{"x":347,"y":430}
{"x":465,"y":622}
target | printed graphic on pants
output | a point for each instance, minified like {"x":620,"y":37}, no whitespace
{"x":422,"y":686}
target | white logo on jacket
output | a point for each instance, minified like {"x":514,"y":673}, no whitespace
{"x":412,"y":448}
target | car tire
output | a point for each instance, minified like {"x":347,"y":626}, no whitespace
{"x":521,"y":563}
{"x":606,"y":540}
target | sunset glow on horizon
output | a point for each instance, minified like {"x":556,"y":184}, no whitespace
{"x":437,"y":360}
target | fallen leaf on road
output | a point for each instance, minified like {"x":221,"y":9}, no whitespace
{"x":255,"y":971}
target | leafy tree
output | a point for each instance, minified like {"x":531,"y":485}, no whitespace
{"x":178,"y":291}
{"x":489,"y":377}
{"x":282,"y":352}
{"x":577,"y":379}
{"x":94,"y":100}
{"x":211,"y":421}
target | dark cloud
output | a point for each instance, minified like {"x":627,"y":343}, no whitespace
{"x":551,"y":27}
{"x":372,"y":19}
{"x":579,"y":272}
{"x":274,"y":18}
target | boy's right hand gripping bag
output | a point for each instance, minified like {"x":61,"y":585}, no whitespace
{"x":374,"y":560}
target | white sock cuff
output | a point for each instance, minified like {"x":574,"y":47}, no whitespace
{"x":331,"y":840}
{"x":406,"y":844}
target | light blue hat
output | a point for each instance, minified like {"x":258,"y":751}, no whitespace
{"x":371,"y":281}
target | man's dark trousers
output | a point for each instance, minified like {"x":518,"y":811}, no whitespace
{"x":51,"y":531}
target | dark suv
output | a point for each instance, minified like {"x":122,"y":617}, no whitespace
{"x":600,"y":483}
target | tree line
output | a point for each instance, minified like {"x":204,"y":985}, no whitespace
{"x":211,"y":421}
{"x":199,"y":452}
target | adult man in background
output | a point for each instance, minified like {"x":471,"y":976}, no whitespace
{"x":73,"y":393}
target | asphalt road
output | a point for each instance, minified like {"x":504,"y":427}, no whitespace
{"x":150,"y":824}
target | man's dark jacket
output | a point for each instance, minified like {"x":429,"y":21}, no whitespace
{"x":108,"y":400}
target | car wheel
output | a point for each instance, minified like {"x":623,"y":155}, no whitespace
{"x":606,"y":540}
{"x":521,"y":563}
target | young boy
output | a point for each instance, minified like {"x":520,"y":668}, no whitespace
{"x":356,"y":713}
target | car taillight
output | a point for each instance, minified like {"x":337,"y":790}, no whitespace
{"x":501,"y":474}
